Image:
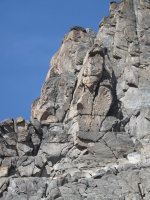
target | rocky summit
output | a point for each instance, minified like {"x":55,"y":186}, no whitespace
{"x":89,"y":133}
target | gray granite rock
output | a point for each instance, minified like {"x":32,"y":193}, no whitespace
{"x":89,"y":134}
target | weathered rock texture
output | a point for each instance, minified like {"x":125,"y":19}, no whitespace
{"x":89,"y":134}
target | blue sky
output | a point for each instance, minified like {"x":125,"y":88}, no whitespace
{"x":31,"y":31}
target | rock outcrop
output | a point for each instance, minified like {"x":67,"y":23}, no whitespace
{"x":89,"y":134}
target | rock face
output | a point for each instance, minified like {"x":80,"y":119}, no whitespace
{"x":89,"y":134}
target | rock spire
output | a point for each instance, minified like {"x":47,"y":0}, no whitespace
{"x":89,"y":134}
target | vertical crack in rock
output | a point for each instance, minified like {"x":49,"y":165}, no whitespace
{"x":136,"y":26}
{"x":70,"y":101}
{"x":141,"y":191}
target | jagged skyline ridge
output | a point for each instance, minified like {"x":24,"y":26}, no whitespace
{"x":31,"y":32}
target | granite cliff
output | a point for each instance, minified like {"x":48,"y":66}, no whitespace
{"x":89,"y":134}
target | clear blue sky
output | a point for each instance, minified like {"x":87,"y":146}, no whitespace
{"x":31,"y":31}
